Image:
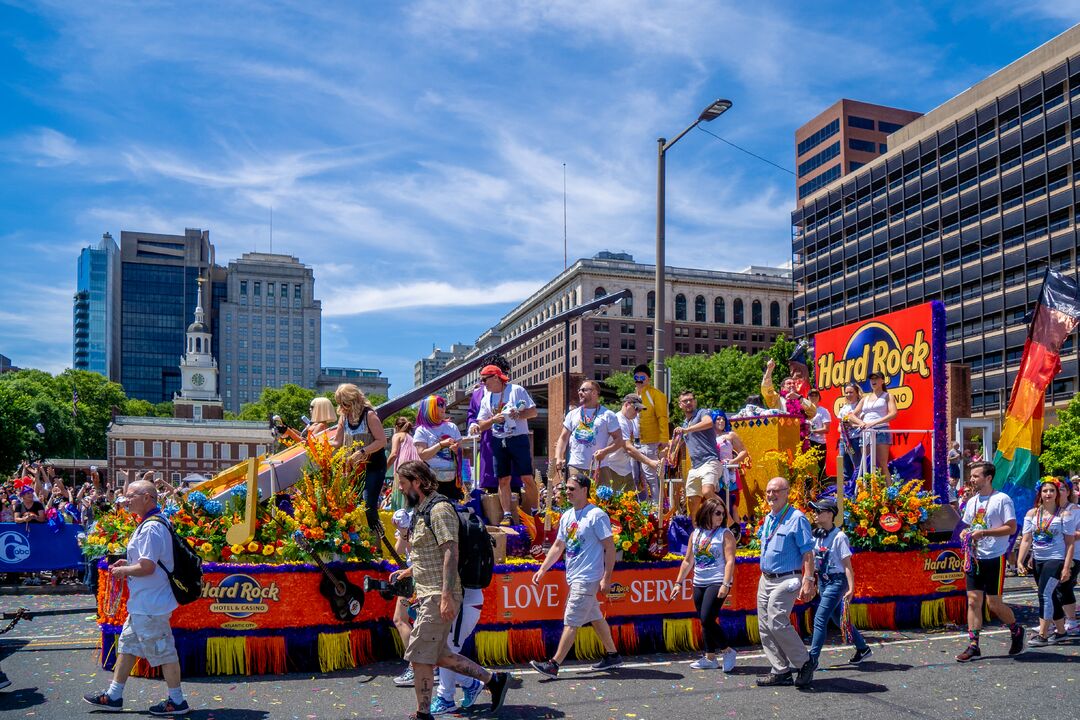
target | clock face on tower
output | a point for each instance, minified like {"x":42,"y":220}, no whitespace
{"x":197,"y":379}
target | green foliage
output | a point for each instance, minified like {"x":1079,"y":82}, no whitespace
{"x":621,"y":383}
{"x":1061,"y":442}
{"x":289,"y":401}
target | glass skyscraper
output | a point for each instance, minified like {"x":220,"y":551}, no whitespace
{"x":93,"y":337}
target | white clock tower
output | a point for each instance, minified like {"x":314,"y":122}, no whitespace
{"x":198,"y":397}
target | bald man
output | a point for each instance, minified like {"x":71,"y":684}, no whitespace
{"x":147,"y":632}
{"x":787,"y":574}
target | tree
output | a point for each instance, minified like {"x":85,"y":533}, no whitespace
{"x":1061,"y":442}
{"x":288,"y":401}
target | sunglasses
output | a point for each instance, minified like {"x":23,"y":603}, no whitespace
{"x":640,"y":378}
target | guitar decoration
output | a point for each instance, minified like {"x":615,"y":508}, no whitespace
{"x":346,"y":600}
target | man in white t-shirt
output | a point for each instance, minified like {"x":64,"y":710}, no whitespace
{"x":621,"y":462}
{"x":585,"y":535}
{"x":506,"y":408}
{"x":991,"y":521}
{"x":147,"y":632}
{"x":592,"y":434}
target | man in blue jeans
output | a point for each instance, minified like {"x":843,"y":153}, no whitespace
{"x":836,"y":580}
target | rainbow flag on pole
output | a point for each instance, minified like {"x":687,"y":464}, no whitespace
{"x":1017,"y":457}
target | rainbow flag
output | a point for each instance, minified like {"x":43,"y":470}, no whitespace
{"x":1017,"y":458}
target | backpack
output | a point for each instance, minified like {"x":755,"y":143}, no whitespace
{"x":476,"y":548}
{"x":185,"y":580}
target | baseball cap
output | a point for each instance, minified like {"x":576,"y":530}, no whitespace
{"x":635,"y":399}
{"x":493,"y":370}
{"x":824,"y":505}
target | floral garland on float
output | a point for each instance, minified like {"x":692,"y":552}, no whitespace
{"x":888,"y":513}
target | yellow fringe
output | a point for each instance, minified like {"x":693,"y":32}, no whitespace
{"x":932,"y":613}
{"x":493,"y":648}
{"x":859,"y":615}
{"x":752,"y":629}
{"x":679,"y":635}
{"x":808,"y":620}
{"x":226,"y":656}
{"x":399,"y":647}
{"x":335,"y":652}
{"x":587,"y":645}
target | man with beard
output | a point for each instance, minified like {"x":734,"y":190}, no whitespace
{"x":434,"y":570}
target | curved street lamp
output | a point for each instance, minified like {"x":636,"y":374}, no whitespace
{"x":713,"y":111}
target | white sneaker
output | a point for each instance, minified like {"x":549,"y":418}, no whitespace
{"x":729,"y":660}
{"x":704,"y":663}
{"x":1072,"y":629}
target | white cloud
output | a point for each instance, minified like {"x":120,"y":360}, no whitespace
{"x":346,"y":301}
{"x":46,"y":147}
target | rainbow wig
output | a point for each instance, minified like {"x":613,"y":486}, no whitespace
{"x":428,"y":409}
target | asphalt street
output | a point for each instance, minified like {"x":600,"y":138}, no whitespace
{"x":52,"y":662}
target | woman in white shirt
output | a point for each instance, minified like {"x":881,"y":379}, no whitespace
{"x":436,"y":440}
{"x":875,"y":410}
{"x":1049,"y":537}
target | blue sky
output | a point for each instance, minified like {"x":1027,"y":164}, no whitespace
{"x":413,"y":152}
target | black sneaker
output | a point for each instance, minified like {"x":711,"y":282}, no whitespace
{"x":861,"y":655}
{"x":1016,"y":645}
{"x":608,"y":662}
{"x":806,"y":675}
{"x":4,"y":682}
{"x":168,"y":707}
{"x":102,"y":701}
{"x":497,"y":686}
{"x":970,"y":652}
{"x":547,"y":668}
{"x":775,"y":679}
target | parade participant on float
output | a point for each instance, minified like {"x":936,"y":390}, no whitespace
{"x":323,"y":416}
{"x":874,"y":411}
{"x":819,"y":428}
{"x":489,"y":482}
{"x":699,"y":434}
{"x":788,"y":400}
{"x":992,"y":521}
{"x":402,"y":450}
{"x":835,"y":580}
{"x":733,"y":453}
{"x":653,"y":425}
{"x":592,"y":433}
{"x":621,"y":461}
{"x":433,"y":568}
{"x":1049,"y":537}
{"x":506,"y":410}
{"x":358,"y":422}
{"x":710,"y":553}
{"x":147,"y":632}
{"x":787,"y":574}
{"x":585,"y":535}
{"x":437,"y":442}
{"x":849,"y":446}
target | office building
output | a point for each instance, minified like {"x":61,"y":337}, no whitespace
{"x":369,"y":380}
{"x":707,"y":311}
{"x":270,"y":327}
{"x":431,"y":367}
{"x":970,"y":205}
{"x":179,"y":447}
{"x":5,"y":364}
{"x":96,"y":331}
{"x":159,"y":279}
{"x":842,"y":139}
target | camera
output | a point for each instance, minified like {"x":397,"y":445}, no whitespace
{"x":402,"y":587}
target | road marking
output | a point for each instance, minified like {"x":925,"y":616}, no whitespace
{"x":759,"y":655}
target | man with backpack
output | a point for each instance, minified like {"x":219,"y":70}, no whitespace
{"x":434,"y":538}
{"x":147,"y":632}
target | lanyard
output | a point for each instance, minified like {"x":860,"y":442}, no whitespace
{"x":776,"y":523}
{"x":1039,"y":527}
{"x":703,"y":545}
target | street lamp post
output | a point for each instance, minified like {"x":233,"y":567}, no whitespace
{"x":712,"y":112}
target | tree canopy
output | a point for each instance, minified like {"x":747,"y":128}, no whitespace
{"x":1061,"y":442}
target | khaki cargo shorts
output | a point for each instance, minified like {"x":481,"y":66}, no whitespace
{"x":150,"y":637}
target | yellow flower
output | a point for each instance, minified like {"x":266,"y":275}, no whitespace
{"x":281,"y":551}
{"x":625,"y":544}
{"x":325,"y":525}
{"x":890,"y":540}
{"x":637,"y":536}
{"x":268,"y":550}
{"x":863,"y":523}
{"x":872,"y":532}
{"x":206,"y":547}
{"x":237,"y":549}
{"x":253,"y":546}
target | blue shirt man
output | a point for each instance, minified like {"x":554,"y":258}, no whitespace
{"x":785,"y":538}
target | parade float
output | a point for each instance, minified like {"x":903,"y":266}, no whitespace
{"x":290,"y":596}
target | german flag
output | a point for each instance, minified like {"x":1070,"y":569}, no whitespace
{"x":1017,"y":458}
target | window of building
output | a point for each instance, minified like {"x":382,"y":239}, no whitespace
{"x":820,"y":181}
{"x":628,"y":304}
{"x":601,"y":342}
{"x":243,"y":287}
{"x":628,"y":344}
{"x":887,"y":127}
{"x":699,"y":309}
{"x":297,"y":289}
{"x":882,"y":148}
{"x":774,"y":314}
{"x":192,"y":450}
{"x":755,"y":313}
{"x":269,"y":289}
{"x":121,"y":448}
{"x":719,"y":311}
{"x":861,"y":145}
{"x":650,"y":304}
{"x":140,"y":449}
{"x":737,"y":312}
{"x":208,"y":451}
{"x":258,"y":288}
{"x":599,"y":292}
{"x":860,"y":122}
{"x":820,"y":136}
{"x":225,"y":451}
{"x":158,"y":448}
{"x":174,"y":449}
{"x":853,"y":166}
{"x":242,"y":452}
{"x":820,"y":159}
{"x":680,"y":307}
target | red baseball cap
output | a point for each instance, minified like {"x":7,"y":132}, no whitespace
{"x":490,"y":370}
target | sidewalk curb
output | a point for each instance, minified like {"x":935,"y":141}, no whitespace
{"x":79,"y":589}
